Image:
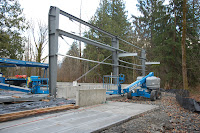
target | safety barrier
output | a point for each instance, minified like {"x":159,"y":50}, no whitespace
{"x":182,"y":97}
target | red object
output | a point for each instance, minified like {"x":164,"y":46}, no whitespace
{"x":20,"y":76}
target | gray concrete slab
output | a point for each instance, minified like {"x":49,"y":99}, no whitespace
{"x":82,"y":120}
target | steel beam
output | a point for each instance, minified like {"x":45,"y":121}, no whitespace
{"x":94,"y":27}
{"x":129,"y":63}
{"x":115,"y":43}
{"x":85,"y":23}
{"x":89,"y":41}
{"x":152,"y":63}
{"x":53,"y":25}
{"x":83,"y":59}
{"x":127,"y":54}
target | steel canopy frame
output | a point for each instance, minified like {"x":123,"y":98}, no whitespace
{"x":85,"y":23}
{"x":55,"y":32}
{"x":94,"y":27}
{"x":89,"y":41}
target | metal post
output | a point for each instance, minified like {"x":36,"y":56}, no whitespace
{"x":53,"y":48}
{"x":115,"y":44}
{"x":143,"y":56}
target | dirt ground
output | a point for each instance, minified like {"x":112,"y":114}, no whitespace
{"x":171,"y":117}
{"x":195,"y":93}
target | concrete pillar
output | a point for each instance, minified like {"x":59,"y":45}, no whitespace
{"x":53,"y":48}
{"x":115,"y":43}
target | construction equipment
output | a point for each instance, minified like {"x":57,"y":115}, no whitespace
{"x":38,"y":85}
{"x":111,"y":82}
{"x":33,"y":84}
{"x":148,"y":86}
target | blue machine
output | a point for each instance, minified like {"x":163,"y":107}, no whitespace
{"x":148,"y":86}
{"x":36,"y":85}
{"x":110,"y":82}
{"x":2,"y":79}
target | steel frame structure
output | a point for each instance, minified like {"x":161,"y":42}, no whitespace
{"x":55,"y":32}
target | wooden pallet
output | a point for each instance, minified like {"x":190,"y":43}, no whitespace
{"x":21,"y":114}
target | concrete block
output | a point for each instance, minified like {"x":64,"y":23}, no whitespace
{"x":67,"y":90}
{"x":86,"y":97}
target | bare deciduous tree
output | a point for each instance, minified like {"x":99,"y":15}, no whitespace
{"x":40,"y":40}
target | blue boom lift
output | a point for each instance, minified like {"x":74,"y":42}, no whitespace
{"x":33,"y":84}
{"x":148,"y":86}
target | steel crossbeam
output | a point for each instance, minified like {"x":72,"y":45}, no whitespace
{"x":89,"y":41}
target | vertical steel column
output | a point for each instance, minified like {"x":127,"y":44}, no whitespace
{"x":143,"y":56}
{"x":115,"y":43}
{"x":53,"y":48}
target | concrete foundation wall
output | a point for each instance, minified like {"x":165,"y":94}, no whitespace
{"x":67,"y":90}
{"x":87,"y":97}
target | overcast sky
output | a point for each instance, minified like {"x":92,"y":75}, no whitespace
{"x":37,"y":10}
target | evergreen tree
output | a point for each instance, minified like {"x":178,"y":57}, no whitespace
{"x":193,"y":41}
{"x":157,"y":30}
{"x":161,"y":26}
{"x":111,"y":17}
{"x":11,"y":27}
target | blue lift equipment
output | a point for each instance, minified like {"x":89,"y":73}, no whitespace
{"x":34,"y":84}
{"x":148,"y":86}
{"x":110,"y":82}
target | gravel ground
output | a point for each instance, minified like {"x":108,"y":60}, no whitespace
{"x":169,"y":118}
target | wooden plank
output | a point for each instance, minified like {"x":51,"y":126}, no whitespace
{"x":45,"y":100}
{"x":21,"y":114}
{"x":16,"y":96}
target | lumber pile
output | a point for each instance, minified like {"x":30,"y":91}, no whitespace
{"x":21,"y":114}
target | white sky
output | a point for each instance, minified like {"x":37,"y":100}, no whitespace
{"x":37,"y":10}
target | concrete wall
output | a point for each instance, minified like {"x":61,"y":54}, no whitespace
{"x":67,"y":90}
{"x":87,"y":97}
